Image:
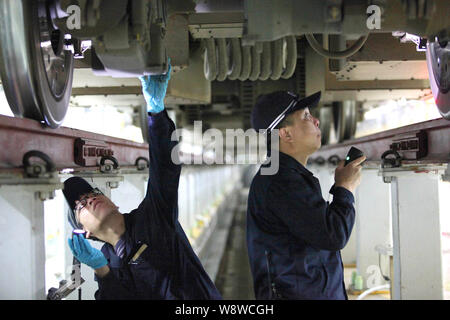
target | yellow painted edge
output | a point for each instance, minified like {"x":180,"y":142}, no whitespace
{"x":357,"y":293}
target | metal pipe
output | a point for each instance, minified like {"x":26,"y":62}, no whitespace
{"x":235,"y":60}
{"x":246,"y":63}
{"x":222,"y":59}
{"x":369,"y":291}
{"x":291,"y":59}
{"x":266,"y":61}
{"x":256,"y":61}
{"x":336,"y":54}
{"x":277,"y":59}
{"x":210,"y":61}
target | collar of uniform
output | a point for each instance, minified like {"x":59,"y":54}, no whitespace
{"x":288,"y":161}
{"x":116,"y":261}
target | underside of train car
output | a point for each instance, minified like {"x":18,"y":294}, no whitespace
{"x":225,"y":54}
{"x":57,"y":55}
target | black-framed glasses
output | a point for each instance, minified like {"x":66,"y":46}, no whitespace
{"x":83,"y":199}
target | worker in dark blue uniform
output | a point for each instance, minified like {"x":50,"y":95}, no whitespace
{"x":146,"y":254}
{"x":294,"y":236}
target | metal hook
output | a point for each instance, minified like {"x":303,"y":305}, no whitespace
{"x":35,"y":170}
{"x":141,"y":167}
{"x":107,"y":167}
{"x":392,"y":163}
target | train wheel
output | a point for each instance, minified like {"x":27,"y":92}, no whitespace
{"x":36,"y":70}
{"x":438,"y":62}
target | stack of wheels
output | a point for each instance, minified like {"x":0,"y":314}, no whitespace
{"x":337,"y":121}
{"x":325,"y":115}
{"x":230,"y":59}
{"x":345,"y":119}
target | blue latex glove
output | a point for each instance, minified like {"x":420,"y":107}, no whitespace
{"x":154,"y":89}
{"x":85,"y":253}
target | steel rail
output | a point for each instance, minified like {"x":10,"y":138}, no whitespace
{"x":18,"y":136}
{"x":436,"y":133}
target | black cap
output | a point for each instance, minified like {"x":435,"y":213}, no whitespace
{"x":74,"y":188}
{"x":270,"y":109}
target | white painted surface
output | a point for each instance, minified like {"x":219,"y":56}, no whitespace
{"x":416,"y":227}
{"x":22,"y":252}
{"x":373,"y":226}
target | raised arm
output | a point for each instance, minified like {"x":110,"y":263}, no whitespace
{"x":164,"y":174}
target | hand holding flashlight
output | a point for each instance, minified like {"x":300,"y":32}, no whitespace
{"x":348,"y":173}
{"x":85,"y":253}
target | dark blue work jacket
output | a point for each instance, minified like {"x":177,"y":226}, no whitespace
{"x":159,"y":262}
{"x":294,"y":236}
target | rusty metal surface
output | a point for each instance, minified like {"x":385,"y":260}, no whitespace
{"x":18,"y":136}
{"x":373,"y":146}
{"x":385,"y":47}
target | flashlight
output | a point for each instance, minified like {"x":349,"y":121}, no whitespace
{"x":79,"y":232}
{"x":353,"y":154}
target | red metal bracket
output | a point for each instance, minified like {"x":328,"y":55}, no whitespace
{"x":68,"y":148}
{"x":88,"y":151}
{"x":427,"y":142}
{"x":411,"y":145}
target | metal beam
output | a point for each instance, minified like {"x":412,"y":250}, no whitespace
{"x":332,"y":84}
{"x":18,"y":136}
{"x":386,"y":47}
{"x":375,"y":95}
{"x":437,"y":134}
{"x":93,"y":91}
{"x":217,"y":24}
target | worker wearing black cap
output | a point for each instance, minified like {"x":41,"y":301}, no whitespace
{"x":294,"y":236}
{"x":146,"y":254}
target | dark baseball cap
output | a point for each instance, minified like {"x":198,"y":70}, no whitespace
{"x":74,"y":188}
{"x":270,"y":109}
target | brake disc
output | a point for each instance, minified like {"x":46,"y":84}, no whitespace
{"x":438,"y":62}
{"x":35,"y":68}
